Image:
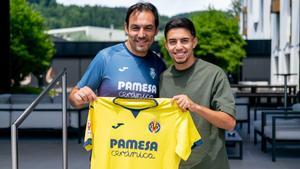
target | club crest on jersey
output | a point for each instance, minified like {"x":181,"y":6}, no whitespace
{"x":154,"y":127}
{"x":152,"y":72}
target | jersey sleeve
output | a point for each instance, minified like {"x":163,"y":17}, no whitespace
{"x":88,"y":137}
{"x":187,"y":137}
{"x":94,"y":73}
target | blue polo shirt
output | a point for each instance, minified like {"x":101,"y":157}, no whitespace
{"x":116,"y":72}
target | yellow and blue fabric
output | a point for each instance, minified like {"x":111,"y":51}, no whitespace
{"x":138,"y":133}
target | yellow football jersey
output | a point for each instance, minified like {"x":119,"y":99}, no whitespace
{"x":138,"y":133}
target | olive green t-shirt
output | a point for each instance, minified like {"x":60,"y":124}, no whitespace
{"x":207,"y":85}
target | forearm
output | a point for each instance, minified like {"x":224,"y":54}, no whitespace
{"x":73,"y":101}
{"x":217,"y":118}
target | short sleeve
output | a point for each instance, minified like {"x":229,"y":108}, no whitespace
{"x":94,"y":73}
{"x":222,"y":99}
{"x":88,"y":137}
{"x":187,"y":137}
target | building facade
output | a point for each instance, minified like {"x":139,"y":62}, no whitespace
{"x":277,"y":20}
{"x":89,"y":33}
{"x":255,"y":19}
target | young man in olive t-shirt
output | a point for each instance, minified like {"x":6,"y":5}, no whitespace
{"x":204,"y":90}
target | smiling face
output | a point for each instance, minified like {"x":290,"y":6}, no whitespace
{"x":180,"y":44}
{"x":141,"y":31}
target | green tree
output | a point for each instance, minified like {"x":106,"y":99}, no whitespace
{"x":218,"y":39}
{"x":60,"y":16}
{"x":31,"y":48}
{"x":236,"y":6}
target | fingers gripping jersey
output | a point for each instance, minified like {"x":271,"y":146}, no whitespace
{"x":138,"y":133}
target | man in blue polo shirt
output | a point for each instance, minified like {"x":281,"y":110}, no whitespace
{"x":128,"y":69}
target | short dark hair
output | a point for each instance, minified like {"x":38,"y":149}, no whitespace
{"x":142,"y":6}
{"x":180,"y":23}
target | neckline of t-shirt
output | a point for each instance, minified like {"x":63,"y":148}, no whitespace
{"x":136,"y":56}
{"x":180,"y":72}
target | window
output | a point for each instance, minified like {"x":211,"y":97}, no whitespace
{"x":290,"y":22}
{"x":261,"y":14}
{"x":276,"y":65}
{"x":288,"y":63}
{"x":255,"y":26}
{"x":277,"y":27}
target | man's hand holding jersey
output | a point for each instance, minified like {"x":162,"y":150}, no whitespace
{"x":184,"y":103}
{"x":80,"y":97}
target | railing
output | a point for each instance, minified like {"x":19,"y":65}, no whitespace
{"x":242,"y":88}
{"x":23,"y":116}
{"x":274,"y":95}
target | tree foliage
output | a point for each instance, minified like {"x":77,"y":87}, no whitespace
{"x":236,"y":6}
{"x":60,"y":16}
{"x":218,"y":39}
{"x":31,"y":48}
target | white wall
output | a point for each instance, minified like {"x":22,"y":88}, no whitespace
{"x":258,"y":19}
{"x":288,"y":38}
{"x":283,"y":30}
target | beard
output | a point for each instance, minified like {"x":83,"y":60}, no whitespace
{"x":142,"y":49}
{"x":180,"y":61}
